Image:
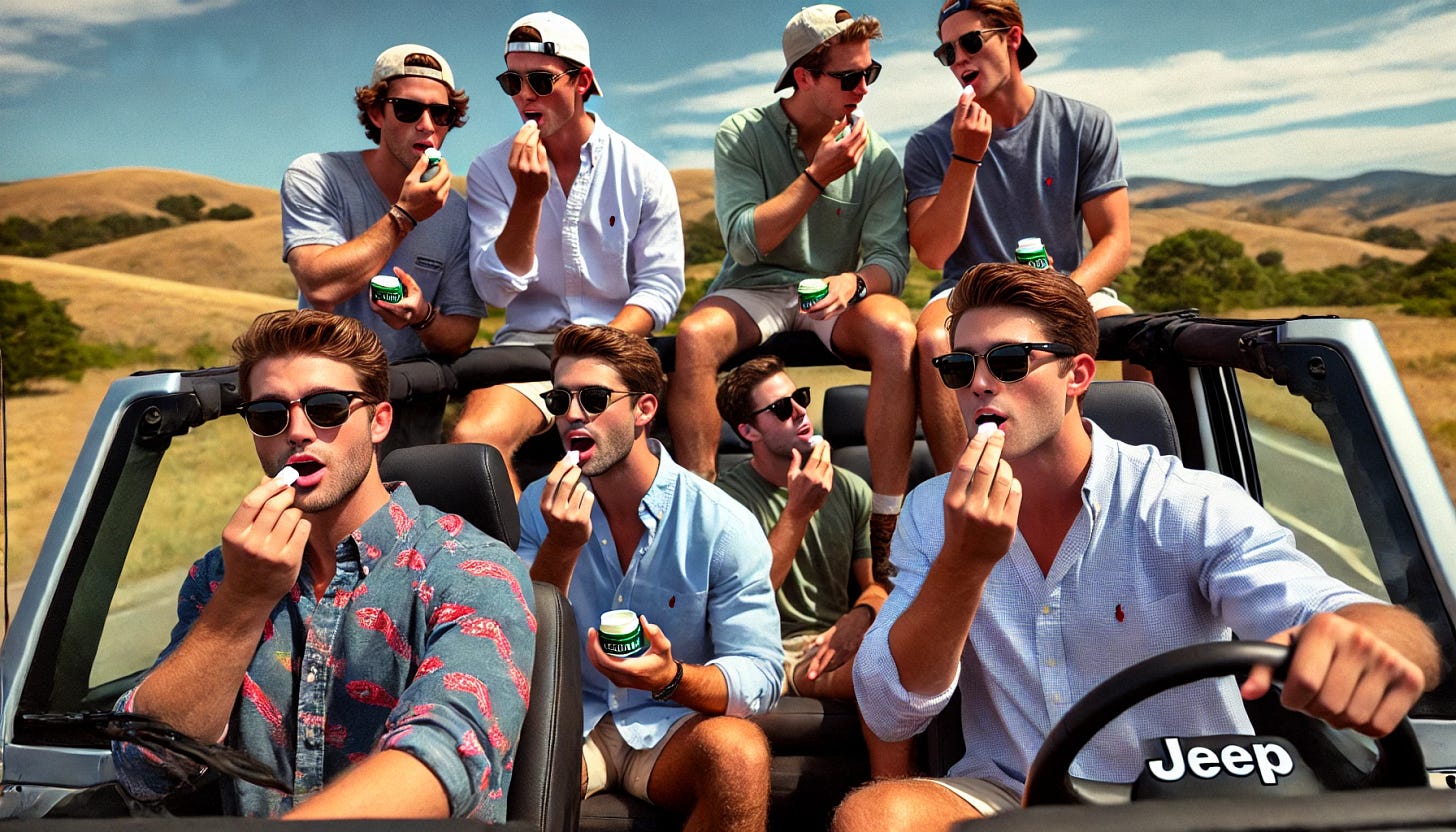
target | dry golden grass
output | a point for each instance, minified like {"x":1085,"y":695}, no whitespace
{"x":125,"y":190}
{"x":694,"y":192}
{"x":1302,"y":249}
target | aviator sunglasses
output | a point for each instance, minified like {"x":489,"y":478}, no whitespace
{"x":971,"y":43}
{"x":325,"y":409}
{"x":594,"y":399}
{"x":849,"y":78}
{"x":541,"y":81}
{"x":1008,"y":363}
{"x":408,"y":111}
{"x":784,"y":408}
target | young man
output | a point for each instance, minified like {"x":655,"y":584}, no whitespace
{"x":1010,"y":563}
{"x":804,"y":189}
{"x":817,"y":517}
{"x":374,"y":652}
{"x":569,"y":223}
{"x":1009,"y":161}
{"x":623,"y":527}
{"x":349,"y":217}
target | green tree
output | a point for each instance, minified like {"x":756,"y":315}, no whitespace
{"x":186,"y":208}
{"x":1394,"y":236}
{"x":702,"y":241}
{"x":1199,"y":268}
{"x":37,"y":338}
{"x":229,"y":212}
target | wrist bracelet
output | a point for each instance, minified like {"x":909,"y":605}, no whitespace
{"x":426,"y":321}
{"x":812,"y":181}
{"x":968,"y":160}
{"x":873,"y":613}
{"x":414,"y":223}
{"x":670,"y":688}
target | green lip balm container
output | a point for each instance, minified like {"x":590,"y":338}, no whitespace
{"x":620,"y":634}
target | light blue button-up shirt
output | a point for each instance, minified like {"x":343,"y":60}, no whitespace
{"x":1159,"y":557}
{"x":700,"y":572}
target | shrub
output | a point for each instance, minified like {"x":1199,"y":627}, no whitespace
{"x":37,"y":338}
{"x":1393,"y":236}
{"x":187,"y":208}
{"x":231,"y":211}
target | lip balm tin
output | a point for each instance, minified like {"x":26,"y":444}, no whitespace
{"x":811,"y":291}
{"x":620,"y":634}
{"x":386,"y":288}
{"x":1030,"y":252}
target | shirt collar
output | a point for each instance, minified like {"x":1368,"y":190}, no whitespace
{"x":393,"y":521}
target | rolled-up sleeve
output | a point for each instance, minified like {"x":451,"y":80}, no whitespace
{"x":743,"y":618}
{"x":890,"y":710}
{"x":489,"y":197}
{"x":885,"y":241}
{"x":738,"y":189}
{"x":655,"y":264}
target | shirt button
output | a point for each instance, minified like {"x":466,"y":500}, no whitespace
{"x":1056,"y":699}
{"x":1051,"y":662}
{"x":1047,"y":610}
{"x":312,"y":677}
{"x":604,"y":541}
{"x":619,"y":599}
{"x":366,"y":571}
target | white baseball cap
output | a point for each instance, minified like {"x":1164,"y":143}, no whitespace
{"x":395,"y":62}
{"x":812,"y":26}
{"x":559,"y":37}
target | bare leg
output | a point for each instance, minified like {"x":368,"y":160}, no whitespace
{"x":717,"y":770}
{"x":880,"y":330}
{"x":940,"y":417}
{"x":502,"y":417}
{"x":901,"y":805}
{"x":887,"y":759}
{"x":713,"y":331}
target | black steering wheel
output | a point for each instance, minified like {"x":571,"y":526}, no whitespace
{"x":1401,"y":762}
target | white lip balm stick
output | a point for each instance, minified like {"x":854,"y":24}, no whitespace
{"x":534,"y":123}
{"x":572,"y":457}
{"x":288,"y":476}
{"x":986,"y":429}
{"x":815,"y":440}
{"x":969,"y":90}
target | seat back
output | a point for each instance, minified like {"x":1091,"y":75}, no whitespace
{"x":466,"y":479}
{"x":470,"y":480}
{"x":843,"y":426}
{"x":1134,"y":412}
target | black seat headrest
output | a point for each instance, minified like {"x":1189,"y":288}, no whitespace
{"x":1134,"y":412}
{"x":466,"y":479}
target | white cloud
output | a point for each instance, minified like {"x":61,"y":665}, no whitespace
{"x":766,"y":65}
{"x":694,"y":157}
{"x":77,"y":14}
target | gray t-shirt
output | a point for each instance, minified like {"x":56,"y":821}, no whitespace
{"x":1031,"y":183}
{"x":330,"y":198}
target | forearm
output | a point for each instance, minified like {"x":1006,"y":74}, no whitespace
{"x":703,"y":688}
{"x":927,"y":639}
{"x":1109,"y":224}
{"x":938,"y":222}
{"x":194,"y":689}
{"x":776,"y":219}
{"x":388,"y":784}
{"x":555,"y":564}
{"x":783,"y":540}
{"x":1402,"y":630}
{"x":328,"y":275}
{"x":516,"y":245}
{"x":450,"y":335}
{"x":1103,"y":263}
{"x":633,"y":319}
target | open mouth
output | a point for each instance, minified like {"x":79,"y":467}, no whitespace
{"x":582,"y":444}
{"x":310,"y":471}
{"x":532,"y":115}
{"x":970,"y":76}
{"x":990,"y":418}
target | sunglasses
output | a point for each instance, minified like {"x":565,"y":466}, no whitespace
{"x":541,"y":81}
{"x":849,"y":78}
{"x":1008,"y":363}
{"x":326,"y":409}
{"x":594,"y":399}
{"x":409,"y":111}
{"x":971,"y":43}
{"x":784,"y":408}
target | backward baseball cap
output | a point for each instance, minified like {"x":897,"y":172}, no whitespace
{"x":395,"y":62}
{"x":812,"y":26}
{"x":559,"y":37}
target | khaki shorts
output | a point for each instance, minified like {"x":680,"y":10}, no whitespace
{"x":532,"y":390}
{"x":611,"y":763}
{"x":988,"y":798}
{"x":797,"y":650}
{"x":776,"y":309}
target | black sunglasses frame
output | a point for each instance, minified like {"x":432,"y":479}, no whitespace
{"x":510,"y":80}
{"x":1021,"y":353}
{"x":256,"y":409}
{"x":558,"y":399}
{"x":971,"y":43}
{"x":849,"y":79}
{"x":784,"y":408}
{"x":443,"y":115}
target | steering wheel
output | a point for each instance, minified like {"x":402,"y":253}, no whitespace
{"x":1400,"y":763}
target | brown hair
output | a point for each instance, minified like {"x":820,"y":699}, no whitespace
{"x":370,"y":98}
{"x":997,"y":12}
{"x":530,"y":34}
{"x":862,"y":29}
{"x":628,"y":353}
{"x":735,"y":394}
{"x":311,"y":332}
{"x":1055,"y":299}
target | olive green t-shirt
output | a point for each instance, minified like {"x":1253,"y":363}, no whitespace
{"x":820,"y":585}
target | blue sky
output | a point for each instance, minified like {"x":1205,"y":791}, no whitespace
{"x":1215,"y":92}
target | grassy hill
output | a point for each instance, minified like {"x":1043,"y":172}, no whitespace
{"x":125,"y":190}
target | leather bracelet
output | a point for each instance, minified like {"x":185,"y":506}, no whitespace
{"x":968,"y":160}
{"x":812,"y":181}
{"x":670,"y":688}
{"x":426,"y":321}
{"x":414,"y":223}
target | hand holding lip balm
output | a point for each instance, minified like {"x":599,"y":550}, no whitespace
{"x":432,"y":161}
{"x":986,"y":428}
{"x":572,"y":457}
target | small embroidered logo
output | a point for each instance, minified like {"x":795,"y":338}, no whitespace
{"x":1119,"y":614}
{"x":1047,"y":181}
{"x":672,"y":602}
{"x":612,"y":220}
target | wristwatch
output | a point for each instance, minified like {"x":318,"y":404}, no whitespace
{"x":861,"y":290}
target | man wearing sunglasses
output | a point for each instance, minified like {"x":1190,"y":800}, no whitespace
{"x":817,"y":518}
{"x":1053,"y":556}
{"x":619,"y":525}
{"x":804,"y":189}
{"x":569,"y":223}
{"x":343,"y":634}
{"x":1008,"y":161}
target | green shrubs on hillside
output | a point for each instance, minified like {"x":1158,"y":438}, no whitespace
{"x":38,"y":238}
{"x":1394,"y":236}
{"x":37,"y":338}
